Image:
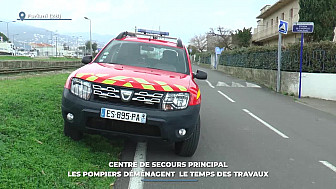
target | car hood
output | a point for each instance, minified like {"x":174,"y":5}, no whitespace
{"x":134,"y":77}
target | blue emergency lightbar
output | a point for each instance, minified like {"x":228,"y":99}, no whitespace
{"x":153,"y":32}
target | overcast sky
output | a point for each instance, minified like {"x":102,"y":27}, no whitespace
{"x":182,"y":18}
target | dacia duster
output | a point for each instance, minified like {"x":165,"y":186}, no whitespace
{"x":139,"y":85}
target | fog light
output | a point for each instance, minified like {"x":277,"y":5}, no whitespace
{"x":182,"y":132}
{"x":70,"y":116}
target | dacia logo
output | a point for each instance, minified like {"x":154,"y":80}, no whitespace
{"x":126,"y":95}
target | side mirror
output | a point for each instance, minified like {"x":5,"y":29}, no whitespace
{"x":87,"y":59}
{"x":200,"y":75}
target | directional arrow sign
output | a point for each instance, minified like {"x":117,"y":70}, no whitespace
{"x":303,"y":27}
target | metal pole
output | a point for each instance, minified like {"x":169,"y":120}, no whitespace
{"x":301,"y":56}
{"x":279,"y":64}
{"x":7,"y":30}
{"x":13,"y":44}
{"x":90,"y":39}
{"x":56,"y":46}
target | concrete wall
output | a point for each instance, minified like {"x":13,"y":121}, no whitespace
{"x":268,"y":78}
{"x":4,"y":65}
{"x":319,"y":85}
{"x":316,"y":85}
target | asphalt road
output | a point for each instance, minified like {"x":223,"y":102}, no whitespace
{"x":252,"y":128}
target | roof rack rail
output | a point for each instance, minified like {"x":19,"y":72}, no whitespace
{"x":152,"y":34}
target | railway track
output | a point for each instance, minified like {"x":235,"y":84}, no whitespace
{"x":36,"y":69}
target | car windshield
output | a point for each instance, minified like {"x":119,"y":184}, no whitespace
{"x":145,"y":55}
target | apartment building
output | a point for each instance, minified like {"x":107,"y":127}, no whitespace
{"x":266,"y":32}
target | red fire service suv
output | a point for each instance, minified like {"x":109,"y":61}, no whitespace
{"x":141,"y":87}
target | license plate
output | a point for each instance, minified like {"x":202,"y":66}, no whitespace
{"x":123,"y":115}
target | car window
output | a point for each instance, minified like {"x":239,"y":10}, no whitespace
{"x":145,"y":55}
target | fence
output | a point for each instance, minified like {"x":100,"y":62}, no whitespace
{"x":315,"y":61}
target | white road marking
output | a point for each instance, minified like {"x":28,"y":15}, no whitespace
{"x":265,"y":123}
{"x":234,"y":84}
{"x":140,"y":156}
{"x":252,"y":85}
{"x":209,"y":84}
{"x":222,"y":84}
{"x":329,"y":165}
{"x":226,"y":96}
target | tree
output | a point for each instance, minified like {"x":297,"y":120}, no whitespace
{"x":242,"y":38}
{"x":66,"y":47}
{"x":222,"y":38}
{"x":94,"y":46}
{"x":323,"y":14}
{"x":199,"y":41}
{"x":4,"y":37}
{"x":193,"y":49}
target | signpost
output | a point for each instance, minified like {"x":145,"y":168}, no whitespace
{"x":283,"y":29}
{"x":218,"y":51}
{"x":302,"y":27}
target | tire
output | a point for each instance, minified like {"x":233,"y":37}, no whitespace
{"x":72,"y":132}
{"x":188,"y":147}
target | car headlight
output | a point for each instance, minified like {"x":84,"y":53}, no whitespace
{"x":175,"y":101}
{"x":81,"y":88}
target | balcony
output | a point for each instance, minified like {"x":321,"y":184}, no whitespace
{"x":263,"y":33}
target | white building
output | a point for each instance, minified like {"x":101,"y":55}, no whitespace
{"x":6,"y":48}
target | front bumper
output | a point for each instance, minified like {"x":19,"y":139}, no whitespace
{"x":159,"y":125}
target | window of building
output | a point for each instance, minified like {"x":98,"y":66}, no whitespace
{"x":283,"y":16}
{"x":291,"y":13}
{"x":272,"y":22}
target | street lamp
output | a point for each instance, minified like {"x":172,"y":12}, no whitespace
{"x":90,"y":35}
{"x":7,"y":26}
{"x":14,"y":43}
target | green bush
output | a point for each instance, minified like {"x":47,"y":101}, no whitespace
{"x":204,"y":57}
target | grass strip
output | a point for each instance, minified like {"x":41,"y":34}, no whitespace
{"x":34,"y":153}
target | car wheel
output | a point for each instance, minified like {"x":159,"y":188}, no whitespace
{"x":188,"y":147}
{"x":72,"y":132}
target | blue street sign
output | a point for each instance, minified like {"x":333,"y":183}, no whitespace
{"x":219,"y":50}
{"x":283,"y":27}
{"x":303,"y":27}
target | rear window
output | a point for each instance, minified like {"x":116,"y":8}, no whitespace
{"x":145,"y":55}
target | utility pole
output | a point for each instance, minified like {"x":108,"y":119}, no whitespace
{"x":56,"y":45}
{"x":7,"y":27}
{"x":90,"y":35}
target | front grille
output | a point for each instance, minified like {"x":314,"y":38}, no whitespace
{"x":123,"y":127}
{"x":140,"y":97}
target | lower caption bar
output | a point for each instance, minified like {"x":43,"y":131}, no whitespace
{"x":169,"y":180}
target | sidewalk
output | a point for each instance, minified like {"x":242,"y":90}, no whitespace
{"x":328,"y":106}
